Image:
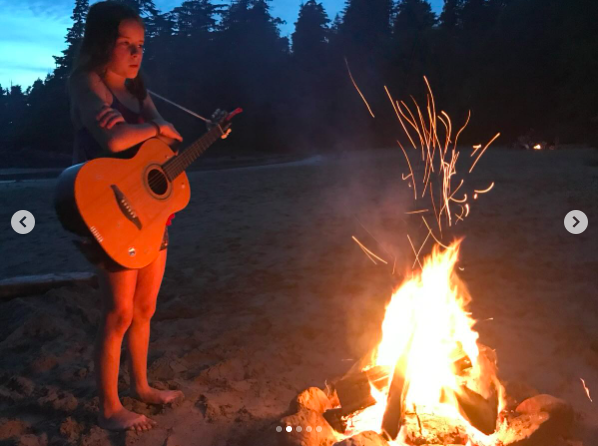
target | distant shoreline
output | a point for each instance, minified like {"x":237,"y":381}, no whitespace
{"x":17,"y":174}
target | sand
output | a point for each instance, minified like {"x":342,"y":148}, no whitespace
{"x":266,"y":294}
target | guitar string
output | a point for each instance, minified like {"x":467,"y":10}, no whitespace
{"x":181,"y":159}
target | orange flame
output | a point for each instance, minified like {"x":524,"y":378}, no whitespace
{"x":427,"y":327}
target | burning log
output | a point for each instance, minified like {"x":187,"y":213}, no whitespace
{"x":354,"y":391}
{"x":336,"y":419}
{"x":354,"y":394}
{"x":378,"y":376}
{"x":393,"y":416}
{"x":482,"y":413}
{"x":461,"y":365}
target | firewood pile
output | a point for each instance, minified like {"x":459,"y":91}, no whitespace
{"x":540,"y":420}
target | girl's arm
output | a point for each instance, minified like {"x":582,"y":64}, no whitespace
{"x":90,"y":95}
{"x":150,"y":113}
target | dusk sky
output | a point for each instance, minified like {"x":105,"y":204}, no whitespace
{"x":32,"y":31}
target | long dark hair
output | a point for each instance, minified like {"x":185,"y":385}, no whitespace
{"x":101,"y":32}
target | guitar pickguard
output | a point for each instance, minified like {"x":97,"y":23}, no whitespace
{"x":125,"y":207}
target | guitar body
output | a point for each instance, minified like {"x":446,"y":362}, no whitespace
{"x":123,"y":203}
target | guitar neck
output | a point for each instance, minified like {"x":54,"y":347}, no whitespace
{"x":178,"y":164}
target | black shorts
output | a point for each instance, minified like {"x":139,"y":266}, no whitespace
{"x":94,"y":253}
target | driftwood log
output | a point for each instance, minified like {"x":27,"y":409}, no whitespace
{"x":29,"y":285}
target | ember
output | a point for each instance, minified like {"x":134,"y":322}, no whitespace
{"x":586,"y":389}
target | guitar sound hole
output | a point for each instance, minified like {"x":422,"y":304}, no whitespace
{"x":157,"y":182}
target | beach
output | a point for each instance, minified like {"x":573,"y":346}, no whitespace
{"x":265,"y":294}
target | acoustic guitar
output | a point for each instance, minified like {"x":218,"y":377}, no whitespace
{"x":124,"y":203}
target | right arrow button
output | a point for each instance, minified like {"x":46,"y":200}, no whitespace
{"x":576,"y":222}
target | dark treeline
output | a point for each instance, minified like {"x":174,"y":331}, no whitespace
{"x":517,"y":64}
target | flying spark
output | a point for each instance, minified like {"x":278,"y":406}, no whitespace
{"x":583,"y":383}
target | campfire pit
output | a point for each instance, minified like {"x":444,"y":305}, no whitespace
{"x":428,"y":382}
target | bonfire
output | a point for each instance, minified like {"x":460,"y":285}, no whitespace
{"x":429,"y":381}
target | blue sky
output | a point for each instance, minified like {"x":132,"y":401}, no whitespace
{"x":32,"y":31}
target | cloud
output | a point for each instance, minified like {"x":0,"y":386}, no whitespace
{"x":27,"y":44}
{"x":28,"y":28}
{"x":57,"y":10}
{"x":8,"y":68}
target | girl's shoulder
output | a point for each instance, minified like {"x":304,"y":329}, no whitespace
{"x":83,"y":85}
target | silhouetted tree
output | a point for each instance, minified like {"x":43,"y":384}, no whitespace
{"x":310,"y":77}
{"x":253,"y":57}
{"x":450,"y":18}
{"x":411,"y":47}
{"x":365,"y":28}
{"x":192,"y":45}
{"x":145,"y":8}
{"x":474,"y":17}
{"x":195,"y":18}
{"x":518,"y":64}
{"x":4,"y":139}
{"x":159,"y":56}
{"x":310,"y":39}
{"x":413,"y":16}
{"x":74,"y":36}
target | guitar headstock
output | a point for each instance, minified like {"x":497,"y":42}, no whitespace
{"x":222,"y":119}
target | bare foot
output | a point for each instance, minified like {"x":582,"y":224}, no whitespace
{"x":124,"y":419}
{"x":155,"y":396}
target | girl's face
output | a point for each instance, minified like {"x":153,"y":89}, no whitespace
{"x":128,"y":50}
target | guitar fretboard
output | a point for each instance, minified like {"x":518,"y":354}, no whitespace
{"x":178,"y":164}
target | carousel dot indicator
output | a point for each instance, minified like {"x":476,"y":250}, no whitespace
{"x":319,"y":429}
{"x":278,"y":428}
{"x":289,"y":428}
{"x":299,"y":428}
{"x":308,"y":428}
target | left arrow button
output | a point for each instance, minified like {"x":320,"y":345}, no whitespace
{"x":18,"y":222}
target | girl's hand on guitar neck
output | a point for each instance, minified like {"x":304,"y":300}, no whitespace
{"x":167,"y":130}
{"x":217,"y":116}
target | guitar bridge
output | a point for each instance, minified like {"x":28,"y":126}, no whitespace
{"x":125,"y":207}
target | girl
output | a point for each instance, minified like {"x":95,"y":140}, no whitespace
{"x":112,"y":114}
